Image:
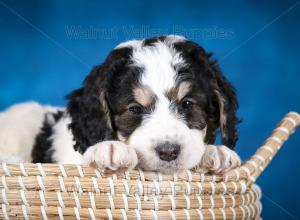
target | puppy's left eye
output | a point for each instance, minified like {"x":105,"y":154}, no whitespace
{"x":136,"y":109}
{"x":187,"y":104}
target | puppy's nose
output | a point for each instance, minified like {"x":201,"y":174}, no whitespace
{"x":168,"y":151}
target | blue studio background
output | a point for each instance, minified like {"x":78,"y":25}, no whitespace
{"x":48,"y":47}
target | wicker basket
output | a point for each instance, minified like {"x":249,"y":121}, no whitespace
{"x":53,"y":191}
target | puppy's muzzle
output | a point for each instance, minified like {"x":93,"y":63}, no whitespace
{"x":168,"y":151}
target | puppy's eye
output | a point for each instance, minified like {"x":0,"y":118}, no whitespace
{"x":135,"y":109}
{"x":187,"y":104}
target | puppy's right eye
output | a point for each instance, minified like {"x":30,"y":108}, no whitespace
{"x":187,"y":104}
{"x":135,"y":109}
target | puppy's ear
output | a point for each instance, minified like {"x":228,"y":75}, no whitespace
{"x":225,"y":98}
{"x":222,"y":110}
{"x":89,"y":111}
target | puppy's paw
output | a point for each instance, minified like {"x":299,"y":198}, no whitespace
{"x":230,"y":159}
{"x":219,"y":159}
{"x":111,"y":156}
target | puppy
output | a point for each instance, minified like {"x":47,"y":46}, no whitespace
{"x":155,"y":103}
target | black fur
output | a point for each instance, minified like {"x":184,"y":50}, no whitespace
{"x":42,"y":152}
{"x":211,"y":82}
{"x":152,"y":40}
{"x":94,"y":106}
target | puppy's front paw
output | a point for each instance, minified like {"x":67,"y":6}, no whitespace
{"x":219,"y":159}
{"x":230,"y":160}
{"x":111,"y":155}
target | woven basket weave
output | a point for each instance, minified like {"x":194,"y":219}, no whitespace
{"x":53,"y":191}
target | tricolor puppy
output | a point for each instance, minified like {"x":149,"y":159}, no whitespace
{"x":155,"y":103}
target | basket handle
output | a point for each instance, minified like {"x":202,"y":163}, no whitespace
{"x":253,"y":167}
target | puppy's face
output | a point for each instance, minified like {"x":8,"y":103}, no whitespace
{"x":169,"y":129}
{"x":161,"y":96}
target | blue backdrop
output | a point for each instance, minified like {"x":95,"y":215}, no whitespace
{"x":48,"y":47}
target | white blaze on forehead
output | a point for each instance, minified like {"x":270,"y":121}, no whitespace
{"x":158,"y":62}
{"x":171,"y":39}
{"x":131,"y":43}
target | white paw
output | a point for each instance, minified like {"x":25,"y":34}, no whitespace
{"x":219,"y":159}
{"x":230,"y":160}
{"x":110,"y":155}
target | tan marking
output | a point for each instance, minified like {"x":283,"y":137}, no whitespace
{"x":111,"y":153}
{"x":221,"y":102}
{"x":179,"y":92}
{"x":183,"y":90}
{"x":104,"y":105}
{"x":121,"y":137}
{"x":143,"y":95}
{"x":204,"y":131}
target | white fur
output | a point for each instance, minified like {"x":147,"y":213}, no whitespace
{"x":218,"y":159}
{"x":19,"y":126}
{"x":162,"y":126}
{"x":62,"y":143}
{"x":131,"y":43}
{"x":100,"y":153}
{"x":171,"y":39}
{"x":158,"y":62}
{"x":111,"y":155}
{"x":159,"y":75}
